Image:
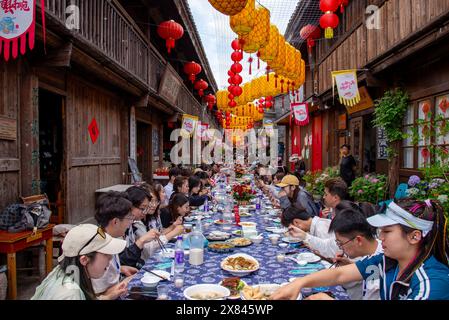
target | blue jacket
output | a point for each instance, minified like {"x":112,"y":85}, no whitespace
{"x":304,"y":199}
{"x":429,"y":282}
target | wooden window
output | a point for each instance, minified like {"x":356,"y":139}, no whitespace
{"x":430,"y":119}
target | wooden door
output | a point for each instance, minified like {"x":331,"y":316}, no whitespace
{"x":144,"y":150}
{"x":356,"y":142}
{"x":317,"y":143}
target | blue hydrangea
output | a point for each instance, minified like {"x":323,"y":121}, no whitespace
{"x":413,"y":181}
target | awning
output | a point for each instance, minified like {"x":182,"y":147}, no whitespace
{"x":284,"y":119}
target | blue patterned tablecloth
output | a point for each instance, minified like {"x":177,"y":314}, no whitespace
{"x":270,"y":270}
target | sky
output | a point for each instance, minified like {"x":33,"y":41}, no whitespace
{"x":216,"y":36}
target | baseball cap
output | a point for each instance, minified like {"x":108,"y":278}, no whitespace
{"x":288,"y":180}
{"x":293,"y":158}
{"x":88,"y":238}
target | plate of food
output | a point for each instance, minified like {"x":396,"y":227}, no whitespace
{"x":309,"y":257}
{"x":245,"y":214}
{"x":218,"y":236}
{"x":277,"y":230}
{"x":240,"y":242}
{"x":235,"y":285}
{"x":206,"y":292}
{"x":220,"y":247}
{"x":291,"y":240}
{"x":221,"y":221}
{"x":237,"y":233}
{"x":247,"y":224}
{"x":258,"y":292}
{"x":239,"y":264}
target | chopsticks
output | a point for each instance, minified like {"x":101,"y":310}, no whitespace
{"x":161,"y":245}
{"x":154,"y":273}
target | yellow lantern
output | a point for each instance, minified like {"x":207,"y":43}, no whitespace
{"x":270,"y":51}
{"x":229,"y":7}
{"x":279,"y":61}
{"x":259,"y":36}
{"x":244,"y":21}
{"x":222,"y":99}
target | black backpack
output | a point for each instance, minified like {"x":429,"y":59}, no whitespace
{"x":20,"y":217}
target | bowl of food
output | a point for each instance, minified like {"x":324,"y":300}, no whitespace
{"x":279,"y":230}
{"x":206,"y":292}
{"x":258,"y":292}
{"x":240,"y":242}
{"x":151,"y":280}
{"x":239,"y":264}
{"x":248,"y":224}
{"x":235,"y":285}
{"x":256,"y":239}
{"x":221,"y":247}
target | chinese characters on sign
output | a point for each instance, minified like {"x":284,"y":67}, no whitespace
{"x":300,"y":113}
{"x":381,"y":144}
{"x":347,"y":86}
{"x":170,"y":86}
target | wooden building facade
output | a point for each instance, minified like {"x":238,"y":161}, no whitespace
{"x":392,"y":43}
{"x":71,"y":118}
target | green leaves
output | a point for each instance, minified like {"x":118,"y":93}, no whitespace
{"x":369,"y":188}
{"x":389,"y":113}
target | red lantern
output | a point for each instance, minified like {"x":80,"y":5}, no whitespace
{"x":230,"y":88}
{"x":268,"y":104}
{"x":310,"y":33}
{"x":232,"y":104}
{"x":237,"y":56}
{"x":231,"y":73}
{"x":237,"y":79}
{"x":343,"y":4}
{"x":260,"y":109}
{"x":235,"y":44}
{"x":231,"y":96}
{"x":329,"y":21}
{"x":210,"y":99}
{"x":236,"y":68}
{"x":170,"y":31}
{"x":237,"y":91}
{"x":201,"y":85}
{"x":192,"y":69}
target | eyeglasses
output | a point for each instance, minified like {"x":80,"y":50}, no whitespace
{"x":341,"y":245}
{"x":100,"y":232}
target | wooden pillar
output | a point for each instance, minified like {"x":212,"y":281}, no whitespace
{"x":29,"y":131}
{"x":12,"y":276}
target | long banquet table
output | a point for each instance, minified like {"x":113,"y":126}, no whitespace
{"x":270,"y":271}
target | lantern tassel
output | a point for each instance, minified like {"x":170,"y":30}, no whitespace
{"x":329,"y":33}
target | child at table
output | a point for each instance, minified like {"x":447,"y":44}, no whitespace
{"x":87,"y":252}
{"x":177,"y":209}
{"x":414,"y":265}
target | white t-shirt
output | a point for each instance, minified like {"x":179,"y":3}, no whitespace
{"x":110,"y":278}
{"x":320,"y":239}
{"x":168,"y":190}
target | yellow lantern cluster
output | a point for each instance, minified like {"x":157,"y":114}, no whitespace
{"x":270,"y":51}
{"x":259,"y":36}
{"x":244,"y":21}
{"x":229,"y":7}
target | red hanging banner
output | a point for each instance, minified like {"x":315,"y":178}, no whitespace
{"x":300,"y":112}
{"x":17,"y":20}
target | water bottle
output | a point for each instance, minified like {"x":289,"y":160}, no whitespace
{"x":179,"y":255}
{"x":196,"y":255}
{"x":206,"y":205}
{"x":258,"y":201}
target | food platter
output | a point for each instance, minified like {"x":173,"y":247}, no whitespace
{"x":235,"y":285}
{"x":239,"y":264}
{"x":218,"y":236}
{"x":220,"y":247}
{"x":259,"y":292}
{"x":240,"y":242}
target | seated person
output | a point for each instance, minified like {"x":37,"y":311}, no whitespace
{"x":414,"y":265}
{"x":180,"y":185}
{"x":195,"y":199}
{"x":162,"y":196}
{"x":177,"y":209}
{"x":113,"y":212}
{"x":88,"y":250}
{"x":273,"y":188}
{"x":335,"y":191}
{"x":313,"y":231}
{"x":294,"y":194}
{"x":357,"y":239}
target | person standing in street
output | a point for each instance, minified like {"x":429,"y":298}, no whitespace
{"x":347,"y":165}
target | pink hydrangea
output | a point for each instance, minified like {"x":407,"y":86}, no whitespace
{"x":360,"y":191}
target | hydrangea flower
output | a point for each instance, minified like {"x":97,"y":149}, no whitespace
{"x":360,"y":191}
{"x":413,"y":181}
{"x":412,"y":192}
{"x":442,"y":198}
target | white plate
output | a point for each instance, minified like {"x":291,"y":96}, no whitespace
{"x":170,"y":253}
{"x":239,"y":273}
{"x":205,"y":288}
{"x":279,"y":230}
{"x":151,"y":280}
{"x":308,"y":256}
{"x":293,"y":240}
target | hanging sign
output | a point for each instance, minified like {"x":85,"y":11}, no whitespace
{"x":203,"y":129}
{"x":269,"y":129}
{"x":17,"y":20}
{"x":188,"y":125}
{"x":382,"y":144}
{"x":347,"y":86}
{"x":300,"y":113}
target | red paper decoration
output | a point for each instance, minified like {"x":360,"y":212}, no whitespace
{"x":211,"y":100}
{"x":237,"y":56}
{"x":310,"y":33}
{"x":192,"y":69}
{"x":236,"y":68}
{"x":170,"y":31}
{"x":329,"y":20}
{"x":201,"y":85}
{"x":94,"y":132}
